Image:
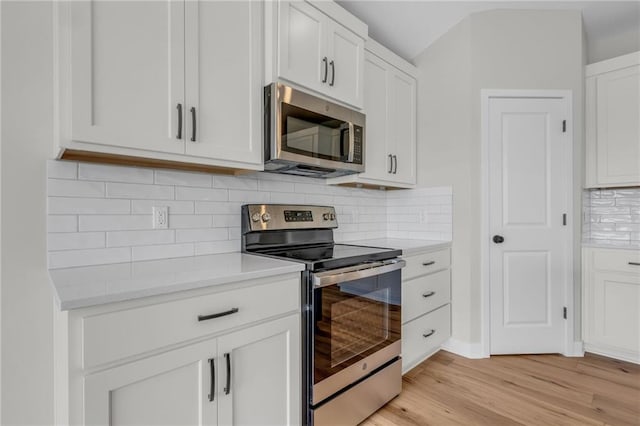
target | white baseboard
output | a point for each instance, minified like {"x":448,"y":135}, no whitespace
{"x":467,"y":350}
{"x":616,"y":353}
{"x":575,"y":350}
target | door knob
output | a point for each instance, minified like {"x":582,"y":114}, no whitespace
{"x":498,"y":239}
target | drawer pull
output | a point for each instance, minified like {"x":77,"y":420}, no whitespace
{"x":429,"y":294}
{"x":218,"y":315}
{"x":227,"y":388}
{"x":634,"y":263}
{"x":429,"y":334}
{"x":212,"y":389}
{"x":429,"y":263}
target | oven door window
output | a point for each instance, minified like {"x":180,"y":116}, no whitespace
{"x":353,"y":320}
{"x":313,"y":135}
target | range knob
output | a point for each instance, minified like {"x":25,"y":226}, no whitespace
{"x":332,"y":216}
{"x":325,"y":216}
{"x":255,"y":217}
{"x":266,"y":217}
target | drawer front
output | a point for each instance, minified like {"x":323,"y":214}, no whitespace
{"x":115,"y":335}
{"x":426,"y":263}
{"x":423,"y":294}
{"x":436,"y":326}
{"x":617,"y":260}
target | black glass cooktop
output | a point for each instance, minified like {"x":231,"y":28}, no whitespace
{"x":332,"y":256}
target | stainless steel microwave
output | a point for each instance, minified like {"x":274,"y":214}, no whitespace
{"x":309,"y":136}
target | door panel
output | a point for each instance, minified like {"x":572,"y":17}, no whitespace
{"x":346,"y":73}
{"x":128,"y":78}
{"x":223,"y":69}
{"x":265,"y":374}
{"x":402,"y":126}
{"x":167,"y":389}
{"x":302,"y":39}
{"x":527,"y":198}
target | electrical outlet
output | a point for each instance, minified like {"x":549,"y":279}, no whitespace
{"x":160,"y":217}
{"x":424,"y":216}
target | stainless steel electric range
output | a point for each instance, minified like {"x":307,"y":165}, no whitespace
{"x":351,"y":310}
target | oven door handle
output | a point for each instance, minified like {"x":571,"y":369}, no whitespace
{"x":336,"y":276}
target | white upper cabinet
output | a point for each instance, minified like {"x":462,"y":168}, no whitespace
{"x":613,"y":122}
{"x":317,"y":46}
{"x":127,"y":73}
{"x":178,"y":81}
{"x":390,"y":93}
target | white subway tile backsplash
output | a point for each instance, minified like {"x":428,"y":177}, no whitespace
{"x":140,"y":238}
{"x":67,"y":205}
{"x":201,"y":194}
{"x":107,"y":173}
{"x":139,"y":191}
{"x":204,"y":211}
{"x":612,"y":216}
{"x":172,"y":177}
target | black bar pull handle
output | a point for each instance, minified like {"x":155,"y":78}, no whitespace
{"x":193,"y":124}
{"x":429,"y":263}
{"x":428,"y":294}
{"x":634,"y":263}
{"x":429,"y":333}
{"x":218,"y":315}
{"x":326,"y":70}
{"x":179,"y":135}
{"x":333,"y":73}
{"x":227,"y":388}
{"x":390,"y":163}
{"x":212,"y":388}
{"x":395,"y":162}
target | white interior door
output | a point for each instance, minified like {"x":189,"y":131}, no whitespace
{"x":528,"y":187}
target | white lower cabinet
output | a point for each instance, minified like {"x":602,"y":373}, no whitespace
{"x":426,"y":305}
{"x":244,"y":374}
{"x":611,"y":308}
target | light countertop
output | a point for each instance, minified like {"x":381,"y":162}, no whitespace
{"x":408,"y":247}
{"x":95,"y":285}
{"x":612,"y":244}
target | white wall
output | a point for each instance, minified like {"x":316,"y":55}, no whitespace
{"x":27,"y":117}
{"x":507,"y":49}
{"x":616,"y":44}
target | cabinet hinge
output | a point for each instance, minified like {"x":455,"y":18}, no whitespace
{"x":564,"y":126}
{"x":564,"y":312}
{"x":564,"y":219}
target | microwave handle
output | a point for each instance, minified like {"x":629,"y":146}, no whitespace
{"x":352,"y":143}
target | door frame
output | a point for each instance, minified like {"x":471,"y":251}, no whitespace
{"x":486,"y":95}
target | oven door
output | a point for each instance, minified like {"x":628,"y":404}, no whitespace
{"x":356,"y":323}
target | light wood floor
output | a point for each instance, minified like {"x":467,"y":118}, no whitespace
{"x":448,"y":389}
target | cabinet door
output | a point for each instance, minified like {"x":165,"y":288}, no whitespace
{"x":168,"y":389}
{"x":377,"y":158}
{"x":264,"y":379}
{"x":615,"y":305}
{"x":224,"y":80}
{"x":618,"y":127}
{"x":402,"y":126}
{"x":301,"y":44}
{"x":345,"y":51}
{"x":127,"y":63}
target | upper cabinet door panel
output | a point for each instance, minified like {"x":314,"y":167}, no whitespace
{"x":301,"y":44}
{"x":127,"y":63}
{"x":377,"y":160}
{"x":224,"y":80}
{"x":402,"y":125}
{"x":618,"y":126}
{"x":346,"y":64}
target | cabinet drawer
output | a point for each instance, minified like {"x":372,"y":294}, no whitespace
{"x":115,"y":335}
{"x":423,"y":294}
{"x":616,"y":260}
{"x":436,"y":326}
{"x":426,"y":263}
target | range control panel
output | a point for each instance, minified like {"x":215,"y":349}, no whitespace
{"x":263,"y":217}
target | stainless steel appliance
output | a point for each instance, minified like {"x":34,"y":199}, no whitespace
{"x":351,"y":310}
{"x":308,"y":136}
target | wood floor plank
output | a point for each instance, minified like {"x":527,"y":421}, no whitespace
{"x":516,"y":390}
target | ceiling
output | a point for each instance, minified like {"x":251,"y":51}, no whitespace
{"x":409,"y":27}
